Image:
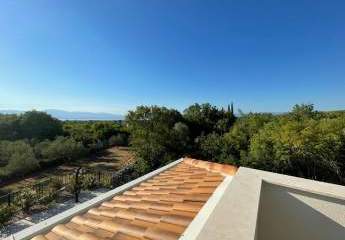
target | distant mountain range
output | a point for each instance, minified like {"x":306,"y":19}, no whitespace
{"x":66,"y":115}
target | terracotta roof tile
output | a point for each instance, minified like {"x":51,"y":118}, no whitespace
{"x":159,"y":208}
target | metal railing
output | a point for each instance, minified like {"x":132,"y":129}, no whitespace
{"x":85,"y":179}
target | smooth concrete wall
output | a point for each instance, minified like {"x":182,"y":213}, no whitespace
{"x":260,"y":205}
{"x":286,"y":213}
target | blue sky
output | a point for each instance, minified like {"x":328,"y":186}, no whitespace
{"x":109,"y":56}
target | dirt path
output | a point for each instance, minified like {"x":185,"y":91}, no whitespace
{"x":111,"y":159}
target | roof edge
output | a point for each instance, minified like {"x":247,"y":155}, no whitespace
{"x":224,"y":169}
{"x":49,"y":223}
{"x":199,"y":221}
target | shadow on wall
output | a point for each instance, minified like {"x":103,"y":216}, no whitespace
{"x":287,"y":213}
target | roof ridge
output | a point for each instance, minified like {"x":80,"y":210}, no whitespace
{"x":224,"y":169}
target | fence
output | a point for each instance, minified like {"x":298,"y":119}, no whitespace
{"x":81,"y":179}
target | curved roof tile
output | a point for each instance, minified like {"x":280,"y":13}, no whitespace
{"x":159,"y":208}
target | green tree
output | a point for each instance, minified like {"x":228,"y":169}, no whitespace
{"x":237,"y":140}
{"x":9,"y":127}
{"x":212,"y":147}
{"x":39,"y":125}
{"x":95,"y":134}
{"x":153,"y":137}
{"x":62,"y":149}
{"x":311,"y":148}
{"x":303,"y":111}
{"x":20,"y":158}
{"x":204,"y":118}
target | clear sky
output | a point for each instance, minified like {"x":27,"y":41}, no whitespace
{"x":110,"y":56}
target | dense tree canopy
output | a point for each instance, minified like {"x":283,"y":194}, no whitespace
{"x":156,"y":133}
{"x":29,"y":125}
{"x":205,"y":118}
{"x":34,"y":140}
{"x":95,"y":134}
{"x":304,"y":147}
{"x":304,"y":142}
{"x":39,"y":125}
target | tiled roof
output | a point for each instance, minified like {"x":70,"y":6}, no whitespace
{"x":159,"y":208}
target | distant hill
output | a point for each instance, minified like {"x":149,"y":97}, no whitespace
{"x":66,"y":115}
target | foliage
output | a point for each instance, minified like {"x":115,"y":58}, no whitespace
{"x":88,"y":182}
{"x":26,"y":199}
{"x":141,"y":166}
{"x":62,"y":149}
{"x":74,"y":187}
{"x":35,"y":139}
{"x":302,"y":111}
{"x":120,"y":139}
{"x":153,"y":136}
{"x":55,"y":184}
{"x":6,"y":213}
{"x":39,"y":125}
{"x":205,"y":118}
{"x":95,"y":134}
{"x":237,"y":140}
{"x":9,"y":127}
{"x":29,"y":125}
{"x":54,"y":187}
{"x":18,"y":157}
{"x":211,"y":146}
{"x":303,"y":142}
{"x":310,"y":148}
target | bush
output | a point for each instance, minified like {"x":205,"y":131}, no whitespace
{"x":96,"y":147}
{"x":6,"y":213}
{"x":308,"y":148}
{"x":74,"y":187}
{"x":54,"y":186}
{"x":88,"y":182}
{"x":141,"y":167}
{"x":120,"y":139}
{"x":90,"y":132}
{"x":26,"y":199}
{"x":20,"y":157}
{"x":62,"y":149}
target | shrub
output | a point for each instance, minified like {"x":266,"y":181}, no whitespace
{"x":88,"y":182}
{"x":62,"y":149}
{"x":6,"y":213}
{"x":96,"y":147}
{"x":120,"y":139}
{"x":26,"y":199}
{"x":74,"y":187}
{"x":55,"y":184}
{"x":309,"y":148}
{"x":21,"y":158}
{"x":141,"y":166}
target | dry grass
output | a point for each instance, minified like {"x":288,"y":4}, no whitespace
{"x":111,"y":159}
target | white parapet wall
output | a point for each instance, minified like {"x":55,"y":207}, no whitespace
{"x":288,"y":213}
{"x":194,"y":228}
{"x":259,"y":205}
